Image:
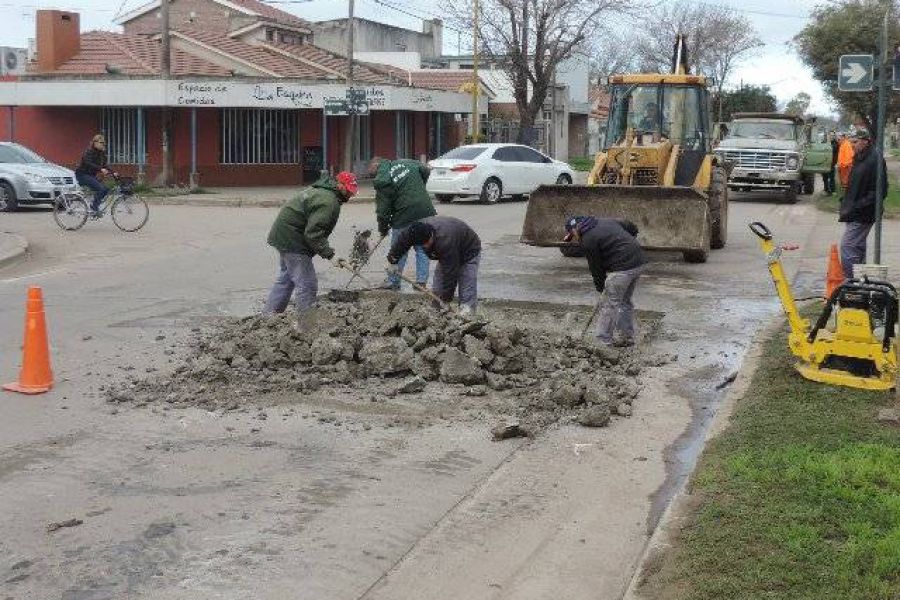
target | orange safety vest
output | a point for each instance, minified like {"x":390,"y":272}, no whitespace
{"x":845,"y":162}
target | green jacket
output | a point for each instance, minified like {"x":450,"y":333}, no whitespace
{"x":305,"y":222}
{"x":400,"y":196}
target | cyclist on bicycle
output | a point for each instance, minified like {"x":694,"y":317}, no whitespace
{"x":94,"y":163}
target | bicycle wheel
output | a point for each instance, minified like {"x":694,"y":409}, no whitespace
{"x":70,"y":211}
{"x":129,"y":213}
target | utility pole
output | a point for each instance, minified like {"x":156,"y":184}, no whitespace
{"x":476,"y":128}
{"x":879,"y":132}
{"x":350,"y":139}
{"x":165,"y":73}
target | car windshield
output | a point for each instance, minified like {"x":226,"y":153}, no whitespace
{"x":771,"y":130}
{"x":464,"y":153}
{"x":13,"y":153}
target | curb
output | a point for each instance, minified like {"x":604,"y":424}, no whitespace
{"x":679,"y":508}
{"x":199,"y":200}
{"x":13,"y":248}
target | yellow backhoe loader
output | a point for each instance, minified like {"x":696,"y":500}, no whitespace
{"x":656,"y":169}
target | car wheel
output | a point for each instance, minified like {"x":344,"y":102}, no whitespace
{"x":444,"y":198}
{"x":8,"y":200}
{"x":491,"y":191}
{"x":564,"y":179}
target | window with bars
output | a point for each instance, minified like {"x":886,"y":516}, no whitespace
{"x":258,"y":136}
{"x":363,"y":146}
{"x":126,"y":140}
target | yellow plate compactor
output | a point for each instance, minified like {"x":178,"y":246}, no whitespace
{"x":861,"y":351}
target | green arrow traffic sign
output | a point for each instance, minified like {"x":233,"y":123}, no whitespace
{"x":855,"y":72}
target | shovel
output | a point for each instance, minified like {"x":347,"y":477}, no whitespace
{"x":594,"y":314}
{"x":358,"y":271}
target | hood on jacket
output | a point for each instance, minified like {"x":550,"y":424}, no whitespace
{"x":327,"y":182}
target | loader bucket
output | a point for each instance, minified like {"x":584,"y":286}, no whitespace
{"x":668,"y":218}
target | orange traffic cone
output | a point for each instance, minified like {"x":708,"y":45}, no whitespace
{"x":835,"y":275}
{"x":35,"y":376}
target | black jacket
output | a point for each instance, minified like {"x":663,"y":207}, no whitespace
{"x":834,"y":152}
{"x":92,"y":161}
{"x":611,"y":246}
{"x":858,"y":203}
{"x":455,"y":244}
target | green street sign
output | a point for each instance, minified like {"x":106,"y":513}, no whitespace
{"x":336,"y":106}
{"x":356,"y":95}
{"x":856,"y":72}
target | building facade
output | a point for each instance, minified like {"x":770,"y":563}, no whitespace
{"x":244,"y":101}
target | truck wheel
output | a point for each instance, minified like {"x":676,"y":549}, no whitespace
{"x":695,"y":256}
{"x":718,"y":209}
{"x":790,"y":195}
{"x":809,"y":184}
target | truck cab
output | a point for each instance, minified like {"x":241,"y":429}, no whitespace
{"x":766,"y":152}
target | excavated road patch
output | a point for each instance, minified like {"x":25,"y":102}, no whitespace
{"x":397,"y":358}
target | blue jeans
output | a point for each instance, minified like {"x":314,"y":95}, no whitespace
{"x":100,"y":190}
{"x":421,"y":262}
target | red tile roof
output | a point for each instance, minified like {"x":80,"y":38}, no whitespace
{"x":335,"y":63}
{"x":131,"y":55}
{"x":441,"y":79}
{"x":270,"y":12}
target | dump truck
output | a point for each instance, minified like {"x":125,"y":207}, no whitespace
{"x":655,"y":169}
{"x":773,"y":152}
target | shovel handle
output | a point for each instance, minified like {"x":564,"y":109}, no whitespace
{"x":358,"y":271}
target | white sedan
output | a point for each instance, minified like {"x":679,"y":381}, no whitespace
{"x":492,"y":171}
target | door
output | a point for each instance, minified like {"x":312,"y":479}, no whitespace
{"x":817,"y":158}
{"x":511,"y":170}
{"x":538,"y":169}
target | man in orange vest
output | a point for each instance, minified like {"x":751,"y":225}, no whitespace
{"x":844,"y":160}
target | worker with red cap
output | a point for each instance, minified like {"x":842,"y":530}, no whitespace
{"x":300,"y":232}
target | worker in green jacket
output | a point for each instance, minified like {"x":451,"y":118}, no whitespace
{"x":300,"y":232}
{"x":400,"y":201}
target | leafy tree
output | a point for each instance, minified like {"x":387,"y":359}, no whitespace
{"x":530,"y":38}
{"x":847,"y":27}
{"x":748,"y":98}
{"x":798,"y":105}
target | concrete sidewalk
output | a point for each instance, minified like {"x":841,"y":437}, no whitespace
{"x":12,"y":247}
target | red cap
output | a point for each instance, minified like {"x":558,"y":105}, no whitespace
{"x":349,"y":181}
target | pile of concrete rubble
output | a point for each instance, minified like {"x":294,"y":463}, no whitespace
{"x":375,"y":347}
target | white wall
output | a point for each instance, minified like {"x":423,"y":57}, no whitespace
{"x":411,"y":61}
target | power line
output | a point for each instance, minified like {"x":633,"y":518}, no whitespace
{"x":413,"y":15}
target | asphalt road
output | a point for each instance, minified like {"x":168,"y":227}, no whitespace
{"x":190,"y":504}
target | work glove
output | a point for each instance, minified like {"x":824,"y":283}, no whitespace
{"x":340,"y":263}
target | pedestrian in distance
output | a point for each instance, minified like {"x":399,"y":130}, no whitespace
{"x":828,"y":178}
{"x":300,"y":232}
{"x":616,"y":260}
{"x":456,"y":248}
{"x":858,"y":204}
{"x":844,"y":160}
{"x":400,"y":200}
{"x":94,"y":165}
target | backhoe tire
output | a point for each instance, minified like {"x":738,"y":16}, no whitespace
{"x":718,"y":209}
{"x":695,"y":256}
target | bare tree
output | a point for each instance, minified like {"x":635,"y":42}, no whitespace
{"x":717,"y":37}
{"x":530,"y":38}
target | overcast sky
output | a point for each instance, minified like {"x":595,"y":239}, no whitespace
{"x":776,"y":21}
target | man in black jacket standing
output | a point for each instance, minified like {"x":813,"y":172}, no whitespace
{"x":858,"y":203}
{"x":455,"y":246}
{"x":616,"y":260}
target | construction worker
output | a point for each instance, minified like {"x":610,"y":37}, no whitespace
{"x":844,"y":160}
{"x":301,"y":232}
{"x":616,"y":260}
{"x":858,"y":204}
{"x":828,"y":178}
{"x":400,"y":200}
{"x":455,"y":246}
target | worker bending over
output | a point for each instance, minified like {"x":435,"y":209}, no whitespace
{"x":455,"y":246}
{"x":616,"y":261}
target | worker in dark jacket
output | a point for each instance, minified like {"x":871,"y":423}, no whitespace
{"x":455,"y":246}
{"x":300,"y":232}
{"x":828,"y":178}
{"x":616,"y":261}
{"x":93,"y":166}
{"x":858,"y":203}
{"x":400,"y":200}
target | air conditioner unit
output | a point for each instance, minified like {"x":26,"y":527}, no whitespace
{"x":13,"y":60}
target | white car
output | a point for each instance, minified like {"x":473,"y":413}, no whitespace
{"x":492,"y":171}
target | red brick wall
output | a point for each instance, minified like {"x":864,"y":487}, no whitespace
{"x":208,"y":15}
{"x":61,"y":135}
{"x":58,"y":38}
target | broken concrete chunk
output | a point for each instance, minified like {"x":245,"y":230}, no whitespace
{"x":326,"y":350}
{"x":567,"y":396}
{"x":458,"y":367}
{"x":624,"y":409}
{"x":505,"y":431}
{"x":412,"y":385}
{"x":595,"y":416}
{"x":478,"y":350}
{"x":386,"y":356}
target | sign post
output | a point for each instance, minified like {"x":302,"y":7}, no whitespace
{"x":880,"y":175}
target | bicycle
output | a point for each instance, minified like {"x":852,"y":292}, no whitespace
{"x":129,"y":212}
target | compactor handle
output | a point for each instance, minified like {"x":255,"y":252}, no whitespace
{"x":760,"y":230}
